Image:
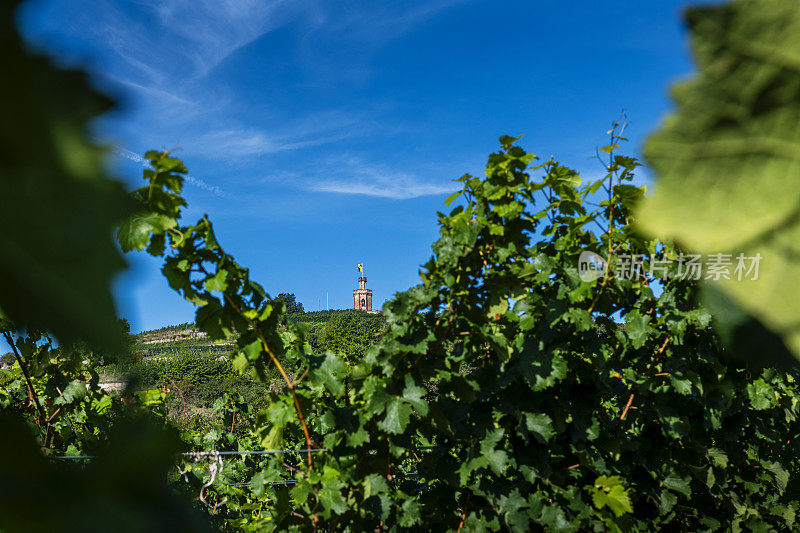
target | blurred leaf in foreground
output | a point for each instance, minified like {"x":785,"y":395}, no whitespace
{"x":728,"y":160}
{"x":124,"y":489}
{"x":58,"y":208}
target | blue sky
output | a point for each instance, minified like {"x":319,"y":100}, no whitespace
{"x":320,"y":135}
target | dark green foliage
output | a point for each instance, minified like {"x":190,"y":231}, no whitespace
{"x":159,"y":371}
{"x":68,"y":404}
{"x":165,"y":329}
{"x":563,"y":420}
{"x":180,"y":347}
{"x":344,"y":331}
{"x":292,"y":305}
{"x":201,"y":378}
{"x":508,"y":393}
{"x":124,"y":490}
{"x":314,"y":333}
{"x":58,"y":209}
{"x":315,"y":316}
{"x":58,"y":206}
{"x":350,"y":333}
{"x":55,"y":406}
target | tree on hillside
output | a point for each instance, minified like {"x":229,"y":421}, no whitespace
{"x":292,"y":305}
{"x":7,"y":360}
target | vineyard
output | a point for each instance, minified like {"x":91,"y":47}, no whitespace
{"x":192,"y":372}
{"x":517,"y":386}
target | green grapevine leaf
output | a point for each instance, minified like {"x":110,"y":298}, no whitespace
{"x":134,"y":233}
{"x":540,"y":424}
{"x":609,"y":491}
{"x":678,"y":484}
{"x":725,"y":160}
{"x":636,"y":326}
{"x":398,"y":414}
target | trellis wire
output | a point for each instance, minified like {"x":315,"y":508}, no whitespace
{"x":213,"y":453}
{"x":250,"y":483}
{"x":243,"y":452}
{"x":216,"y":454}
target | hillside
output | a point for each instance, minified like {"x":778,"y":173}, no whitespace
{"x":183,"y":339}
{"x":194,"y":369}
{"x":186,"y":339}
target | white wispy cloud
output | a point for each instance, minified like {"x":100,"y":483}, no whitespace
{"x":314,"y":130}
{"x":164,"y":49}
{"x":251,"y":142}
{"x":167,"y":96}
{"x":181,"y":37}
{"x":383,"y":188}
{"x":373,"y":24}
{"x":163,"y":53}
{"x":211,"y":30}
{"x":369,"y":180}
{"x":127,"y":154}
{"x":182,"y":41}
{"x":197,"y":182}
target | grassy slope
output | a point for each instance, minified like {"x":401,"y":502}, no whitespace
{"x":181,"y":353}
{"x":181,"y":359}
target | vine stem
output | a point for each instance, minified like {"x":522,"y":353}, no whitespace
{"x":293,"y":469}
{"x":53,"y":415}
{"x":24,"y":367}
{"x":183,"y":400}
{"x":627,"y":406}
{"x":289,"y":383}
{"x":610,"y":189}
{"x":464,"y":514}
{"x":647,"y":372}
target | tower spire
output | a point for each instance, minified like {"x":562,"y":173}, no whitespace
{"x":362,"y":296}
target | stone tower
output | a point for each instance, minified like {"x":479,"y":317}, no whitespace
{"x":362,"y":296}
